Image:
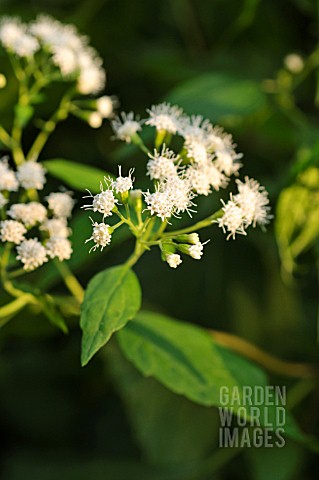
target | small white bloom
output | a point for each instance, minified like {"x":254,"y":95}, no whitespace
{"x":173,"y":260}
{"x":65,"y":59}
{"x":95,"y":120}
{"x":179,"y":191}
{"x":125,"y":126}
{"x":159,"y":204}
{"x":58,"y":247}
{"x":8,"y":180}
{"x":61,"y":204}
{"x":32,"y":254}
{"x":56,"y":227}
{"x":195,"y":129}
{"x":28,"y":213}
{"x":254,"y":202}
{"x":101,"y":235}
{"x":12,"y":231}
{"x":294,"y":62}
{"x":197,"y":151}
{"x":105,"y":106}
{"x":14,"y":37}
{"x":123,"y":184}
{"x":233,"y":220}
{"x":3,"y":200}
{"x":196,"y":251}
{"x":199,"y":180}
{"x":165,"y":117}
{"x":31,"y":175}
{"x":162,"y":164}
{"x":103,"y":202}
{"x":92,"y":75}
{"x":228,"y":161}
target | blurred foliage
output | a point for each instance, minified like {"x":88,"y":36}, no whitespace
{"x":224,"y":59}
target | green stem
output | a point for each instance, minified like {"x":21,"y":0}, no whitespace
{"x":5,"y":137}
{"x":49,"y":126}
{"x":70,"y":280}
{"x":7,"y":311}
{"x":197,"y":226}
{"x":16,"y":273}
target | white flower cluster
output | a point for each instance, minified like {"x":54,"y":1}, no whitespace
{"x":193,"y":157}
{"x":64,"y":47}
{"x":105,"y":203}
{"x":25,"y":222}
{"x":250,"y":206}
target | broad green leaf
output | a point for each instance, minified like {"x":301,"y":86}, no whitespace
{"x":112,"y":298}
{"x":218,"y":95}
{"x":181,"y":356}
{"x":187,"y":361}
{"x":76,"y":175}
{"x":170,"y":429}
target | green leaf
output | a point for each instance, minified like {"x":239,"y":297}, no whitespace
{"x":76,"y":175}
{"x":186,"y":360}
{"x":112,"y":298}
{"x":170,"y":429}
{"x":219,"y":95}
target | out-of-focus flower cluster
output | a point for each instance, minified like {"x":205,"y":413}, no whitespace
{"x":39,"y":231}
{"x":192,"y":157}
{"x":55,"y":51}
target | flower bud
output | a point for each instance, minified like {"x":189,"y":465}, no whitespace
{"x":192,"y":238}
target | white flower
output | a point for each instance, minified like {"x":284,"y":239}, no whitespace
{"x":103,"y":202}
{"x":294,"y":62}
{"x":65,"y":59}
{"x":172,"y":196}
{"x":14,"y":37}
{"x":196,"y":251}
{"x":92,"y":75}
{"x":159,"y":204}
{"x":101,"y":235}
{"x":161,"y":165}
{"x":165,"y":117}
{"x":105,"y":106}
{"x":125,"y":126}
{"x":227,"y":161}
{"x":59,"y":247}
{"x":12,"y":231}
{"x":219,"y":140}
{"x":32,"y":254}
{"x":123,"y":184}
{"x":199,"y":180}
{"x":8,"y":180}
{"x":195,"y":129}
{"x":61,"y":204}
{"x":3,"y":200}
{"x":254,"y":202}
{"x":56,"y":227}
{"x":31,"y":175}
{"x":197,"y":151}
{"x":28,"y":213}
{"x":233,"y":220}
{"x":173,"y":260}
{"x":95,"y":120}
{"x":179,"y":190}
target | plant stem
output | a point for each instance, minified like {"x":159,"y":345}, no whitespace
{"x":269,"y":362}
{"x":197,"y":226}
{"x":49,"y":126}
{"x":70,"y":280}
{"x":13,"y":307}
{"x":5,"y":137}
